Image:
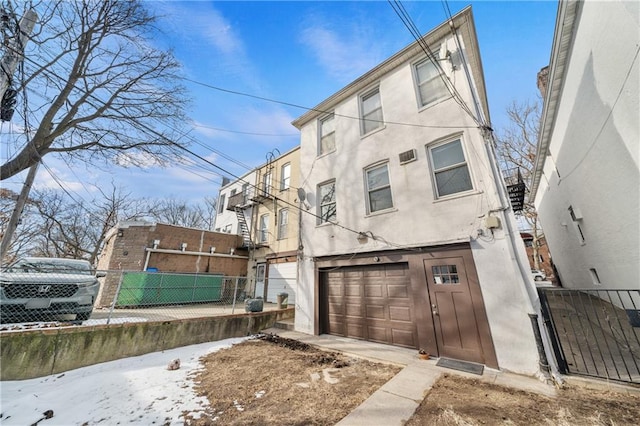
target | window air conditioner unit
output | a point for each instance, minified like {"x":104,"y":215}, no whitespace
{"x":407,"y":156}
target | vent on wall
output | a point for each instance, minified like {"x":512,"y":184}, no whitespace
{"x":407,"y":156}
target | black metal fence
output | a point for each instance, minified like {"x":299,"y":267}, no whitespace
{"x":594,"y":332}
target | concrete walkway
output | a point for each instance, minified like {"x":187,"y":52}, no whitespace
{"x":395,"y":402}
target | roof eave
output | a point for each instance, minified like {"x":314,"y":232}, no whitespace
{"x":566,"y":22}
{"x":462,"y":19}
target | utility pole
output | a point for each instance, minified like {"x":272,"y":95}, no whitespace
{"x":15,"y":50}
{"x":13,"y":55}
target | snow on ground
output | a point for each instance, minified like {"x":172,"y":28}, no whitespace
{"x":21,"y":326}
{"x":138,"y":390}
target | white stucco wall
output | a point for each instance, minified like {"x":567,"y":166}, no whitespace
{"x":228,"y":217}
{"x":595,"y":148}
{"x":418,"y":217}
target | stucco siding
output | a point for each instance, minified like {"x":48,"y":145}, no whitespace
{"x":594,"y":151}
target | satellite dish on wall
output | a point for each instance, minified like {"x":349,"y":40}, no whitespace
{"x":301,"y":194}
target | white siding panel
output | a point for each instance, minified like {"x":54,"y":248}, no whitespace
{"x":282,"y":279}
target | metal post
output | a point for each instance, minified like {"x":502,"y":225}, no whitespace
{"x":115,"y":297}
{"x":235,"y":295}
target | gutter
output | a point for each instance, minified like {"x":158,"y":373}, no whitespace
{"x":568,"y":11}
{"x":150,"y":250}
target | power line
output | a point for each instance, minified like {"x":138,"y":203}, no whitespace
{"x":404,"y":16}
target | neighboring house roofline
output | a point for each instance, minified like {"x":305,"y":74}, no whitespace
{"x":256,"y":169}
{"x":236,"y":180}
{"x":464,"y":24}
{"x":263,"y":165}
{"x":564,"y":36}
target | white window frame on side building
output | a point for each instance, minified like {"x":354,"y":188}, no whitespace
{"x":283,"y":222}
{"x":285,"y":176}
{"x":378,"y":184}
{"x":443,"y":169}
{"x":371,"y":114}
{"x":263,"y":232}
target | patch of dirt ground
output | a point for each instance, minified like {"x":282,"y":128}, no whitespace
{"x":273,"y":380}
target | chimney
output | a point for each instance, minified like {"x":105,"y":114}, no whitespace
{"x":543,"y":81}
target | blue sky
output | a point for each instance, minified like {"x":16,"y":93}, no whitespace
{"x":301,"y":53}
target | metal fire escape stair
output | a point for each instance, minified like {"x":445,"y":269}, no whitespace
{"x":242,"y":223}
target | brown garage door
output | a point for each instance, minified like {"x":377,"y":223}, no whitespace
{"x":371,"y":303}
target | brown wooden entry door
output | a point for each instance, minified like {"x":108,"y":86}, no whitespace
{"x":452,"y":309}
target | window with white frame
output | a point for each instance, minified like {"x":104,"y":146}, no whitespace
{"x":263,"y":236}
{"x":266,"y":183}
{"x":221,"y":206}
{"x":327,"y":135}
{"x":285,"y":179}
{"x":283,"y":222}
{"x":431,"y":86}
{"x":449,"y":167}
{"x":371,"y":110}
{"x":245,"y":193}
{"x":327,"y":204}
{"x":378,"y":188}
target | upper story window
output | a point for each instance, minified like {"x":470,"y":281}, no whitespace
{"x":378,"y":188}
{"x":371,"y":110}
{"x":285,"y":180}
{"x":266,"y":183}
{"x":327,"y":128}
{"x":431,"y":86}
{"x":263,"y":236}
{"x":221,"y":206}
{"x":245,"y":193}
{"x":327,"y":202}
{"x":283,"y":222}
{"x":450,"y":170}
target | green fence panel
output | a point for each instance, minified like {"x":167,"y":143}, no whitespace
{"x":144,"y":289}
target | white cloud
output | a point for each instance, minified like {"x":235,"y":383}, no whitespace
{"x":344,"y":56}
{"x":265,"y":122}
{"x":141,"y":160}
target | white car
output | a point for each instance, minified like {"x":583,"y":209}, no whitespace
{"x":36,"y":288}
{"x":538,"y":275}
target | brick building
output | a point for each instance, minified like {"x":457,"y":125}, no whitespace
{"x":150,"y":246}
{"x":544,"y":257}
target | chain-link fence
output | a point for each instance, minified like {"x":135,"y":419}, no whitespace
{"x":39,"y":297}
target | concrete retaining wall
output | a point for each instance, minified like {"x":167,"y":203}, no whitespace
{"x":36,"y":353}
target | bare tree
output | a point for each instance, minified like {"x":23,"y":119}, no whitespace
{"x":97,"y":90}
{"x":180,"y":213}
{"x":77,"y":230}
{"x":28,"y":229}
{"x":517,"y":145}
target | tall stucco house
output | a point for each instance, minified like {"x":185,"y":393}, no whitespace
{"x":410,"y":239}
{"x":263,"y":207}
{"x":587,"y":177}
{"x":274,"y":259}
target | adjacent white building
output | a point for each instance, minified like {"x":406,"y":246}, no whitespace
{"x":587,"y":175}
{"x":408,"y":236}
{"x":235,"y":207}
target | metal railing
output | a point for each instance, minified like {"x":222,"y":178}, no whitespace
{"x":120,"y":297}
{"x":594,"y":333}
